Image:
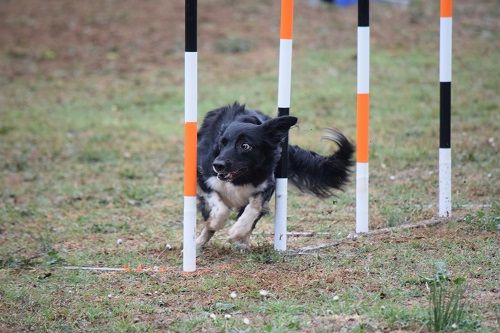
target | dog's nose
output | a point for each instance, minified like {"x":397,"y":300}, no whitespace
{"x":219,"y":166}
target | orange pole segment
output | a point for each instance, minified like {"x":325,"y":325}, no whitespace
{"x":190,"y":142}
{"x":363,"y":113}
{"x":286,"y":29}
{"x":446,"y":8}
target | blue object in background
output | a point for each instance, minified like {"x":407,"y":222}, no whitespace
{"x":345,"y":3}
{"x":339,"y":3}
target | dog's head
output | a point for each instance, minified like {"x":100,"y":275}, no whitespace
{"x":246,"y":147}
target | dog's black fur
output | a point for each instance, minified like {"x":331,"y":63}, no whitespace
{"x":238,"y":150}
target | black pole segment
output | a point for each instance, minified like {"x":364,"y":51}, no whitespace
{"x":282,"y":167}
{"x":283,"y":111}
{"x":445,"y":115}
{"x":191,"y":25}
{"x":363,"y":13}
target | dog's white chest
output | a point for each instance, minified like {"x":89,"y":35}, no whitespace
{"x":232,"y":195}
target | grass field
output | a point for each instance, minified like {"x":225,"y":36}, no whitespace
{"x":91,"y":113}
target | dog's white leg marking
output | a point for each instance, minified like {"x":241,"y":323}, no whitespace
{"x":219,"y":213}
{"x":241,"y":230}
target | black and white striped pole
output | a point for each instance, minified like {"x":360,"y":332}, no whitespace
{"x":445,"y":52}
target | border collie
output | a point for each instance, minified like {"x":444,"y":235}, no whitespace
{"x":238,"y":151}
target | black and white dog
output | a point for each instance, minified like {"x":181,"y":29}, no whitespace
{"x":238,"y":150}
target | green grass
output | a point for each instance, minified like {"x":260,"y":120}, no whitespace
{"x":88,"y":161}
{"x":446,"y":304}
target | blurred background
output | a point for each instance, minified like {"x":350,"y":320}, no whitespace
{"x":69,"y":38}
{"x":105,"y":78}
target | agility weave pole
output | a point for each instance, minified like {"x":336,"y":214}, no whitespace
{"x":190,"y":137}
{"x":284,"y":91}
{"x":363,"y":115}
{"x":445,"y":52}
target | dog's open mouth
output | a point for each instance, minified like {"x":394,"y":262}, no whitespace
{"x":230,"y":176}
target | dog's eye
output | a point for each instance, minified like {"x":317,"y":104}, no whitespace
{"x":246,"y":147}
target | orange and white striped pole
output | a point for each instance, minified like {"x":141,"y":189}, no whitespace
{"x":363,"y":112}
{"x":284,"y":91}
{"x":445,"y":52}
{"x":190,"y":137}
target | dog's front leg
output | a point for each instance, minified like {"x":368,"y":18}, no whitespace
{"x":241,"y":230}
{"x":218,"y":215}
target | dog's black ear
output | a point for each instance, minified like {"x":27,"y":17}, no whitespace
{"x":277,"y":128}
{"x":251,"y":120}
{"x":222,"y":129}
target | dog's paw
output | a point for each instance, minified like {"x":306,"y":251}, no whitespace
{"x":239,"y":237}
{"x":240,"y":243}
{"x":203,"y":238}
{"x":237,"y":232}
{"x":199,"y":250}
{"x":241,"y":246}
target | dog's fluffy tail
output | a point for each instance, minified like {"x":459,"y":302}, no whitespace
{"x":317,"y":174}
